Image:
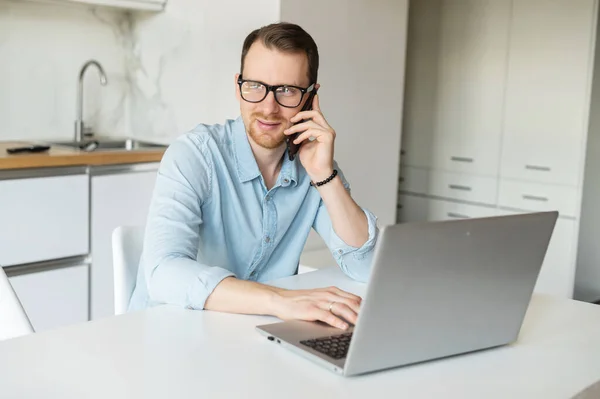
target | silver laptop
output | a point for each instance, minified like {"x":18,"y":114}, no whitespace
{"x":436,"y":289}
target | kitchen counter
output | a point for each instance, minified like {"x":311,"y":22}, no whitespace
{"x":59,"y":156}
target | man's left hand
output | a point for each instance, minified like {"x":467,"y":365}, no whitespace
{"x":317,"y":142}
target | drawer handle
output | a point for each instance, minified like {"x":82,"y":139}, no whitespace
{"x":535,"y":198}
{"x":402,"y":152}
{"x":457,"y":215}
{"x":462,"y":159}
{"x":458,"y":187}
{"x":401,"y":179}
{"x":538,"y":168}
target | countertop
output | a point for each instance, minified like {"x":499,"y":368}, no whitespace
{"x":65,"y":156}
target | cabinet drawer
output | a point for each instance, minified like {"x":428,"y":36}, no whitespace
{"x":476,"y":155}
{"x":43,"y":218}
{"x":448,"y":185}
{"x":412,"y":208}
{"x":538,"y":197}
{"x":553,"y":160}
{"x":55,"y":297}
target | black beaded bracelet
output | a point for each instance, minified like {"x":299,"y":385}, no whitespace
{"x":330,"y":178}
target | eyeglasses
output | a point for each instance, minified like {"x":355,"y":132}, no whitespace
{"x":287,"y":96}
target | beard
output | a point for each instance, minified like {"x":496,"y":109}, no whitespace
{"x":269,"y":139}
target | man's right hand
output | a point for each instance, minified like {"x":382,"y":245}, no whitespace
{"x":329,"y":305}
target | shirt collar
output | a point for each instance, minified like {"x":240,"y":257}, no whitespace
{"x":247,"y":168}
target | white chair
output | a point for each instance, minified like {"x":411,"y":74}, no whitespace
{"x":127,"y":242}
{"x":13,"y":319}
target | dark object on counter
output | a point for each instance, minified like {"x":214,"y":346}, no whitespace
{"x":30,"y":148}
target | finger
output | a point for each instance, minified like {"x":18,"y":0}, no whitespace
{"x":322,"y":136}
{"x":351,"y":303}
{"x":316,"y":106}
{"x":320,"y":119}
{"x":329,"y":318}
{"x":337,"y":291}
{"x":345,"y":294}
{"x":301,"y":127}
{"x":310,"y":114}
{"x":316,"y":116}
{"x":343,"y":310}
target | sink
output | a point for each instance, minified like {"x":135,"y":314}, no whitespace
{"x":110,"y":144}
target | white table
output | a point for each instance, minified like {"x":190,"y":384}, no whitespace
{"x":167,"y":352}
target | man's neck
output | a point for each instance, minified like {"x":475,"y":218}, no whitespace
{"x":269,"y":162}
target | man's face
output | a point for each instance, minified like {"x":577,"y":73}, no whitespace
{"x":265,"y":121}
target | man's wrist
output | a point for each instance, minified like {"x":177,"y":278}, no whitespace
{"x":321,"y":176}
{"x":274,"y":301}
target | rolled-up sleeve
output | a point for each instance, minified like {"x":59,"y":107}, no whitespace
{"x":183,"y":185}
{"x":355,"y":262}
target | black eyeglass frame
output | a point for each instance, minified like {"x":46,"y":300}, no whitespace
{"x":270,"y":88}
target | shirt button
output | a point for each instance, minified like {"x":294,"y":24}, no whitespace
{"x":340,"y":252}
{"x":267,"y":239}
{"x":253,"y":273}
{"x":267,"y":198}
{"x":286,"y":181}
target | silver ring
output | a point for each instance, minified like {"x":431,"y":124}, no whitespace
{"x":331,"y":305}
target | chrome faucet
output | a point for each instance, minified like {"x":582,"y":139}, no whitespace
{"x":79,"y":121}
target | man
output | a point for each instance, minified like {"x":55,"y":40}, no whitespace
{"x":230,"y":209}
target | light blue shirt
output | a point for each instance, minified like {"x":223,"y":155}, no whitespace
{"x":212,"y":217}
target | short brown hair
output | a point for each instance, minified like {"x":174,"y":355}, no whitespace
{"x":285,"y":37}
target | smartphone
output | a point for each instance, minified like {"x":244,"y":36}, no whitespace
{"x":293,"y":148}
{"x":30,"y":148}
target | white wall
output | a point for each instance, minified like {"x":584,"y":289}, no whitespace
{"x":42,"y":48}
{"x":587,"y":278}
{"x":362,"y":50}
{"x":167,"y":71}
{"x":183,"y":63}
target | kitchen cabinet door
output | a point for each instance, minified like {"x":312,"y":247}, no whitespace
{"x":43,"y":218}
{"x":456,"y":72}
{"x":547,"y":90}
{"x":54,"y":297}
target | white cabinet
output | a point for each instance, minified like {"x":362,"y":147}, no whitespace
{"x":43,"y":218}
{"x":119,"y":196}
{"x":456,"y":64}
{"x":547,"y":89}
{"x":53,"y":297}
{"x":496,"y":114}
{"x":538,"y":197}
{"x":143,"y":5}
{"x":413,"y":208}
{"x":458,"y":186}
{"x":557,"y":275}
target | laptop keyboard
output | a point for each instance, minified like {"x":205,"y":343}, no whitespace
{"x":335,"y":346}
